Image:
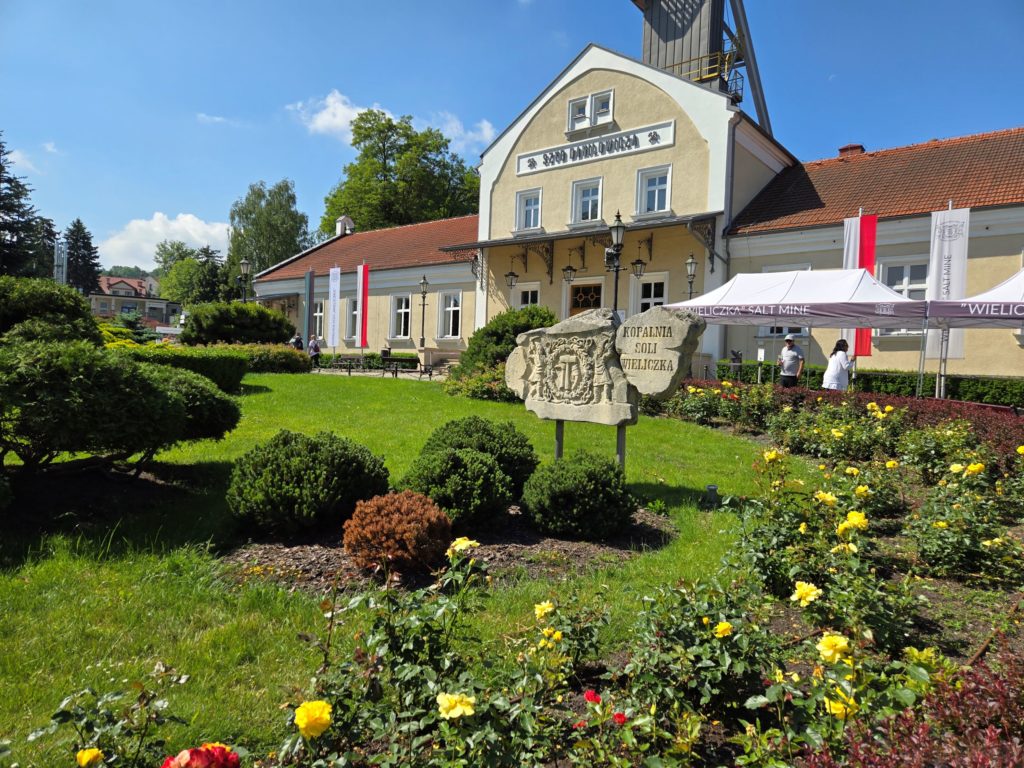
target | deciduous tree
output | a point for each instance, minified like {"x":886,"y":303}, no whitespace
{"x":401,"y":176}
{"x":266,"y":227}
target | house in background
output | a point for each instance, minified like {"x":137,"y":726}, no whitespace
{"x":421,"y":299}
{"x":119,"y":295}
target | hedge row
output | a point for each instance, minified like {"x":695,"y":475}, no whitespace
{"x":225,"y":366}
{"x":373,"y":360}
{"x":975,"y":389}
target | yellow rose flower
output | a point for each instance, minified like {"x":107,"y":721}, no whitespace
{"x":956,"y":469}
{"x":842,"y":706}
{"x":705,"y":621}
{"x":313,"y":718}
{"x":848,"y":548}
{"x":826,"y":498}
{"x":837,"y":433}
{"x":872,"y":406}
{"x":974,"y":469}
{"x":789,"y":409}
{"x":806,"y":593}
{"x":455,"y":705}
{"x":461,"y":544}
{"x":889,"y":409}
{"x":1020,"y":450}
{"x":862,"y":491}
{"x":540,"y":610}
{"x":997,"y":541}
{"x":726,"y":384}
{"x":842,"y":528}
{"x":891,"y":464}
{"x":822,"y":467}
{"x":857,"y":520}
{"x":723,"y":629}
{"x":879,"y":415}
{"x":940,"y":524}
{"x":87,"y":758}
{"x":852,"y":471}
{"x":833,"y":647}
{"x":802,"y":528}
{"x":771,"y":455}
{"x":557,"y":636}
{"x":691,"y":389}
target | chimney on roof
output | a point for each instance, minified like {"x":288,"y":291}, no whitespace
{"x":343,"y":225}
{"x":851,"y":149}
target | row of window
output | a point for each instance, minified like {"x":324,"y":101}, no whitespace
{"x":652,"y":196}
{"x":449,"y":323}
{"x":651,"y":292}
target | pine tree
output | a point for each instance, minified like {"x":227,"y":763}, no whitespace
{"x":83,"y":259}
{"x":17,"y":220}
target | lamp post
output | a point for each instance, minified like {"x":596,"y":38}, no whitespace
{"x":691,"y":272}
{"x":612,"y":262}
{"x":423,"y":310}
{"x":244,"y":266}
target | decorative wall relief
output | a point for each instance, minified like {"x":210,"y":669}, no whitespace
{"x":592,"y":368}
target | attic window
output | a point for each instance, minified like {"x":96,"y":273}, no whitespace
{"x":591,"y":110}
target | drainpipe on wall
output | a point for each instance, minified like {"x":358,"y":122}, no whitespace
{"x":307,"y":306}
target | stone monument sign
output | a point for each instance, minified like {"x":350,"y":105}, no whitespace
{"x":655,"y":348}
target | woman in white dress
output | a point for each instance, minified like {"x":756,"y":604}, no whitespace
{"x":837,"y":375}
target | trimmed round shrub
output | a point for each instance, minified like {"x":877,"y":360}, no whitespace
{"x":209,"y":413}
{"x":224,"y":366}
{"x":294,"y":482}
{"x":500,"y":440}
{"x":245,"y":322}
{"x":401,"y":531}
{"x":584,"y":496}
{"x":466,"y":484}
{"x":40,"y":310}
{"x":275,"y":358}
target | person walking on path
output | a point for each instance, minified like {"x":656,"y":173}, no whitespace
{"x":313,"y":350}
{"x":837,"y":375}
{"x":296,"y":341}
{"x":791,"y":362}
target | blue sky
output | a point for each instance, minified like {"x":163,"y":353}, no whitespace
{"x":148,"y":119}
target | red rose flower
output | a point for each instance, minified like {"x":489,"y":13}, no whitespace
{"x":580,"y":724}
{"x":619,"y":718}
{"x":592,"y":697}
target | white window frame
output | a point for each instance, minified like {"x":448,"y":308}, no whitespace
{"x":318,"y":317}
{"x":882,"y":265}
{"x":600,"y":118}
{"x":765,"y":331}
{"x":394,"y":327}
{"x":351,"y":317}
{"x":445,"y":313}
{"x":576,"y":121}
{"x":521,"y":198}
{"x":635,"y":289}
{"x":642,"y":176}
{"x":522,"y":288}
{"x":578,"y":188}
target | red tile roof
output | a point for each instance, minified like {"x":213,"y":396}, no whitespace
{"x":137,"y":284}
{"x":413,"y":245}
{"x":979,"y":171}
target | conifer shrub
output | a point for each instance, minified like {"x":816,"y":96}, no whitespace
{"x":583,"y":496}
{"x":465,"y":483}
{"x":224,"y":366}
{"x":273,"y":358}
{"x":506,"y":444}
{"x":209,"y":414}
{"x":294,"y":482}
{"x":236,"y":322}
{"x":34,"y":309}
{"x":403,"y":532}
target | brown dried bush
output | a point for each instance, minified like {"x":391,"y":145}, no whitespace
{"x":401,"y":531}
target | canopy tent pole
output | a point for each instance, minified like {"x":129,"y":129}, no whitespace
{"x":940,"y":380}
{"x":920,"y":364}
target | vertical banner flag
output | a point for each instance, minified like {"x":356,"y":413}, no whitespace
{"x":947,"y":270}
{"x":859,"y":253}
{"x":362,"y":303}
{"x":333,"y":307}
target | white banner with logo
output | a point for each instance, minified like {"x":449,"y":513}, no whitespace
{"x":334,"y":307}
{"x":947,"y":270}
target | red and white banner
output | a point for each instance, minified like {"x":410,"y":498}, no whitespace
{"x":859,"y":253}
{"x":362,"y":303}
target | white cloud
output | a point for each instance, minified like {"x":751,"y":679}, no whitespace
{"x":331,"y":116}
{"x":136,"y":242}
{"x":22,"y":160}
{"x":50,"y":147}
{"x":464,"y":141}
{"x":206,"y":119}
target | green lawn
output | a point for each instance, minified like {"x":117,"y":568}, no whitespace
{"x":144,"y":584}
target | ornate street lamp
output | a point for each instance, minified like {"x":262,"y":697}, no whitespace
{"x":691,"y":272}
{"x":423,"y":309}
{"x":569,"y":273}
{"x":638,"y":268}
{"x":511,"y":278}
{"x":244,"y":266}
{"x":612,"y":256}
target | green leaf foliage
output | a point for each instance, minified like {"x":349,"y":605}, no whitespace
{"x":37,"y":309}
{"x":493,"y":343}
{"x":466,"y":484}
{"x":224,"y":366}
{"x":509,"y":447}
{"x":234,"y":322}
{"x":294,"y":482}
{"x":583,"y":496}
{"x":266,"y":227}
{"x":209,"y":413}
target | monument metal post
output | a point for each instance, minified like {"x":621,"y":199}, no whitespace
{"x":559,"y":438}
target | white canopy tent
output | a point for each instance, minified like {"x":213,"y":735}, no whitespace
{"x":826,"y":298}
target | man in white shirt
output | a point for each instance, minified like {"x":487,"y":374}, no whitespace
{"x":791,"y":362}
